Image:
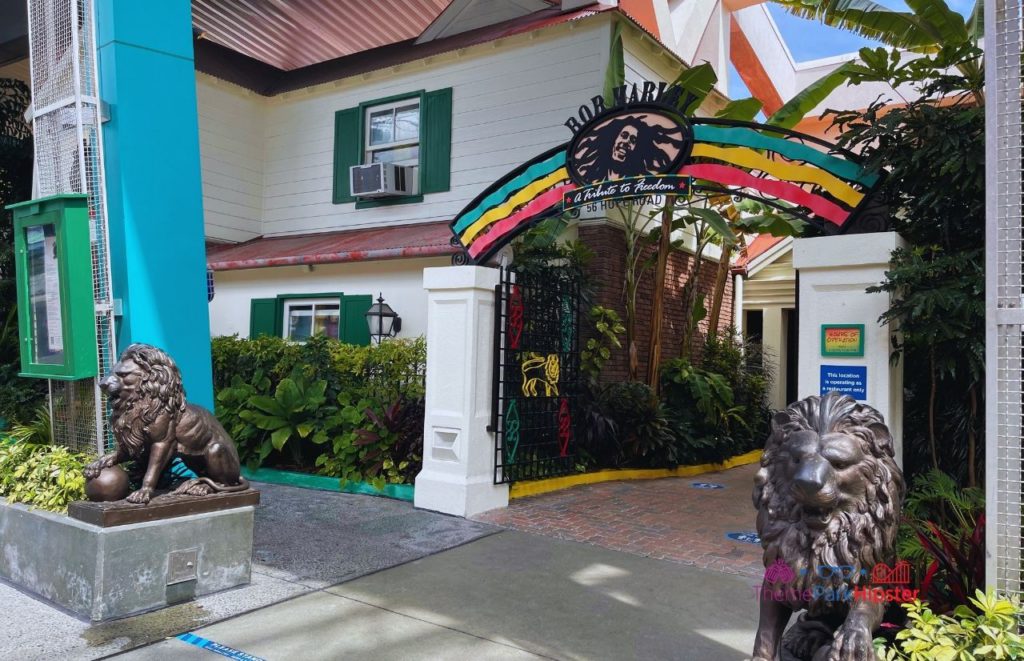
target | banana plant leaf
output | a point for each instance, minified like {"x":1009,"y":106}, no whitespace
{"x":615,"y":72}
{"x":866,"y":18}
{"x":794,"y":110}
{"x":697,"y":82}
{"x":743,"y":110}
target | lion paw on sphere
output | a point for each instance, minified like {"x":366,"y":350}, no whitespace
{"x":828,"y":493}
{"x":152,"y":424}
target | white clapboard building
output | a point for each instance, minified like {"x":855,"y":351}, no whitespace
{"x":466,"y":92}
{"x":435,"y":99}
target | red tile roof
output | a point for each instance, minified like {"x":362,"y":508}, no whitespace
{"x":297,"y":33}
{"x":394,"y":242}
{"x":224,"y":63}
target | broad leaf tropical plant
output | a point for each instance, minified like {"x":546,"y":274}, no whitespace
{"x":794,"y":110}
{"x":290,"y":414}
{"x":986,"y":627}
{"x":44,"y":476}
{"x":392,"y":444}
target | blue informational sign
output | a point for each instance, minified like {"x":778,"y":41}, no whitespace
{"x":745,"y":537}
{"x":707,"y":485}
{"x":850,"y":380}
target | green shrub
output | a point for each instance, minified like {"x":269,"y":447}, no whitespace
{"x":385,"y":371}
{"x":19,"y":396}
{"x":386,"y":445}
{"x":742,"y":364}
{"x":986,"y":631}
{"x":705,"y":417}
{"x":717,"y":409}
{"x":642,"y":437}
{"x":318,"y":405}
{"x":44,"y":476}
{"x":231,"y":402}
{"x":942,"y":535}
{"x":294,"y":411}
{"x":935,"y":497}
{"x":343,"y":457}
{"x":38,"y":431}
{"x":607,"y":327}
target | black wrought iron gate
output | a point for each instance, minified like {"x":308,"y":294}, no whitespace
{"x":536,"y":375}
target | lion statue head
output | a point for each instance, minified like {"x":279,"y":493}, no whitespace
{"x":144,"y":384}
{"x":828,"y":495}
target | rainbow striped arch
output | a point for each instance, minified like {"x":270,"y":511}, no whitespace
{"x":792,"y":172}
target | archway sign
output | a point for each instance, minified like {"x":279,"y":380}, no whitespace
{"x":642,"y":147}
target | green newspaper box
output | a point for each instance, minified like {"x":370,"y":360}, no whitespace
{"x":56,"y":312}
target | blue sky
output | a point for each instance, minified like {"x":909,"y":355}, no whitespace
{"x":810,"y":40}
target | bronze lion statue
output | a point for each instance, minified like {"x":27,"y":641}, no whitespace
{"x":828,"y":498}
{"x":153,"y":423}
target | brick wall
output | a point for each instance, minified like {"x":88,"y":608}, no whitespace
{"x":608,"y":275}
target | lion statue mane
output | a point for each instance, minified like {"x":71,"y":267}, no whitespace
{"x":153,"y":389}
{"x":153,"y":423}
{"x":828,"y":498}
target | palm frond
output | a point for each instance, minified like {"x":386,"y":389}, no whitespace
{"x":868,"y":19}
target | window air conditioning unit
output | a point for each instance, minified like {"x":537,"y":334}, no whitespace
{"x":382,"y":180}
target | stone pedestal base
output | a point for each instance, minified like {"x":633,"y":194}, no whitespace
{"x":106,"y":573}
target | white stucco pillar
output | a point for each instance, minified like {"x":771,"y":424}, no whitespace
{"x":458,"y":451}
{"x":834,"y":271}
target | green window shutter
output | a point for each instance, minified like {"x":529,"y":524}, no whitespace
{"x":347,"y":151}
{"x":437,"y":141}
{"x":265,"y":317}
{"x":353,"y":319}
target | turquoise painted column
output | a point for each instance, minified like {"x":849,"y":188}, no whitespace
{"x":154,"y":187}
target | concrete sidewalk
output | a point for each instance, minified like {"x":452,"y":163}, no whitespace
{"x":507,"y":596}
{"x":304,"y":541}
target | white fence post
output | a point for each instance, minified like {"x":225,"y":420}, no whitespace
{"x":1004,"y":292}
{"x":458,"y":451}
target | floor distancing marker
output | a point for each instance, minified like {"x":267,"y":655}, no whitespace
{"x":217,"y":648}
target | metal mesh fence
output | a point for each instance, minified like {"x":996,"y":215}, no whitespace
{"x":69,"y":159}
{"x":1005,"y":293}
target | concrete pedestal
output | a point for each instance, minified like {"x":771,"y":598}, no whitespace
{"x":458,"y":451}
{"x":834,"y":273}
{"x":106,"y":573}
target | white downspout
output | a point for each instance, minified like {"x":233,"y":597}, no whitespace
{"x":737,"y":304}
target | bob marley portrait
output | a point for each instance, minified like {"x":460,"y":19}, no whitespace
{"x":630,"y":144}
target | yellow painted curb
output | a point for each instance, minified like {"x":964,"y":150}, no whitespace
{"x":537,"y":487}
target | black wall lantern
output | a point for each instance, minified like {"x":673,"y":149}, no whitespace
{"x":382,"y":320}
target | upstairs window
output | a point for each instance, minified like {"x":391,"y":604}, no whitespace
{"x":413,"y":129}
{"x":393,"y":133}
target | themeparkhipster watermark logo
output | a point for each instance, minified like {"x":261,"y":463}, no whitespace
{"x":880,"y":584}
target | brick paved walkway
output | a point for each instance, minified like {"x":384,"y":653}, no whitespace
{"x":666,"y":519}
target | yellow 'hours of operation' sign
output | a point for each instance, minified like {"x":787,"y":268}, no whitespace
{"x":842,"y":340}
